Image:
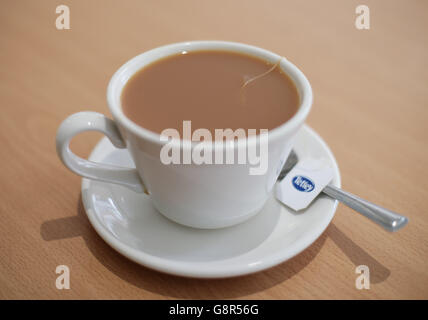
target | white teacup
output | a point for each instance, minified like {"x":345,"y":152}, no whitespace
{"x":201,"y":196}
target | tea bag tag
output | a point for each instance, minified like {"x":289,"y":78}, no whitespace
{"x":303,"y":183}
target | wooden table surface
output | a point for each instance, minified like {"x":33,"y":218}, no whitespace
{"x":371,"y":106}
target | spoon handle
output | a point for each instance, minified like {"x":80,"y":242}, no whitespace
{"x":387,"y":219}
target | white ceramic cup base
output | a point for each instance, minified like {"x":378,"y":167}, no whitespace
{"x":130,"y":224}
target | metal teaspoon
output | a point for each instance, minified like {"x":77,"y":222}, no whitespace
{"x":387,"y":219}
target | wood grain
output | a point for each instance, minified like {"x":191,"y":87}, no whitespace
{"x":370,"y":106}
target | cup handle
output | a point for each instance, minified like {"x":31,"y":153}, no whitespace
{"x":93,"y":121}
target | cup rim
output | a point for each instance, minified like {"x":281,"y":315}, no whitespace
{"x":127,"y":70}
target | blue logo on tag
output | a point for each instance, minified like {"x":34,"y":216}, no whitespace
{"x":303,"y":184}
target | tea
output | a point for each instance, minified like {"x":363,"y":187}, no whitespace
{"x":212,"y":89}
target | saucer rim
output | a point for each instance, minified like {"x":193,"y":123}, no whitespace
{"x":202,"y":269}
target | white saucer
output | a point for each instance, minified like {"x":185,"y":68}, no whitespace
{"x":128,"y":222}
